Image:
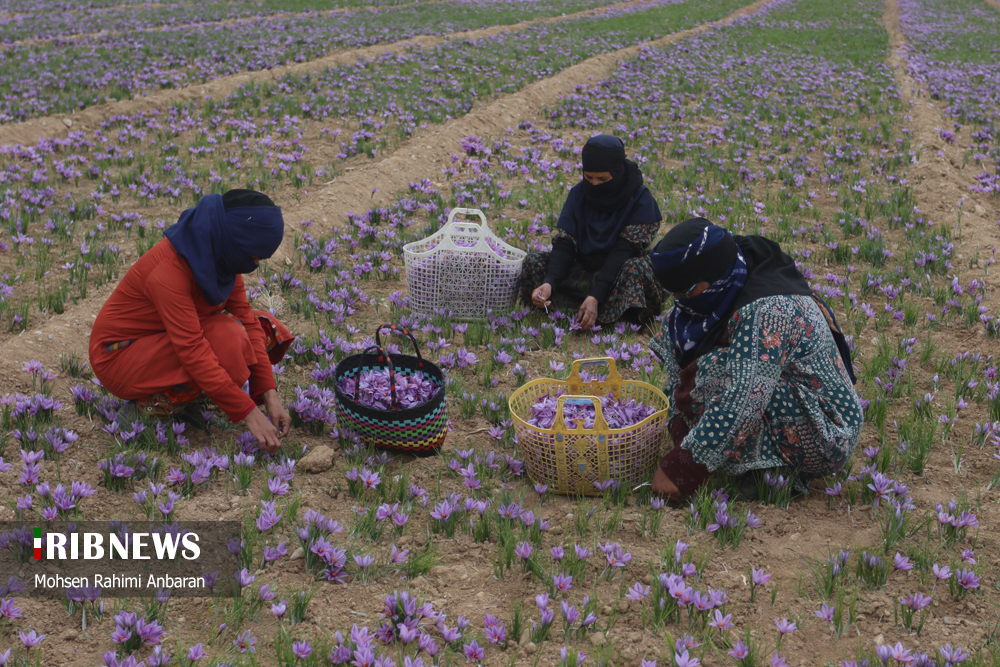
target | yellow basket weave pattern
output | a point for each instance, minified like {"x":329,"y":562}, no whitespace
{"x":569,"y":460}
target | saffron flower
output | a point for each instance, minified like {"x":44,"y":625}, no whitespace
{"x":953,"y":656}
{"x":150,"y":631}
{"x":474,"y":652}
{"x":785,"y":626}
{"x":8,"y":610}
{"x":638,"y":592}
{"x":120,"y":635}
{"x":721,"y":622}
{"x":739,"y":650}
{"x":245,"y":641}
{"x":196,"y":653}
{"x":269,"y":517}
{"x":826,"y":612}
{"x":901,"y":562}
{"x":301,"y":650}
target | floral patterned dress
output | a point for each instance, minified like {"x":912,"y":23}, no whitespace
{"x":635,"y":287}
{"x":773,"y":393}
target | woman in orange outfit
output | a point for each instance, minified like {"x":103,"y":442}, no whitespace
{"x":179,"y":325}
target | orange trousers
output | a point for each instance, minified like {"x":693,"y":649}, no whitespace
{"x":149,"y":365}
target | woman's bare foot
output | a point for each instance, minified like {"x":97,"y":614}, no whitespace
{"x":663,"y":486}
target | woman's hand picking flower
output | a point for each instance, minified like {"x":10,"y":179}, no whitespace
{"x":587,"y":315}
{"x":277,"y":412}
{"x":262,"y":429}
{"x":663,"y":486}
{"x":541,"y":297}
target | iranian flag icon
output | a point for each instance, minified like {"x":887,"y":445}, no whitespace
{"x":38,"y":543}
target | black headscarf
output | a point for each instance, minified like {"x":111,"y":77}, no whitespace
{"x":770,"y":272}
{"x":594,"y":215}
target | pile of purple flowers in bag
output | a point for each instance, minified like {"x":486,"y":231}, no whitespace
{"x":373,"y":389}
{"x":618,"y":414}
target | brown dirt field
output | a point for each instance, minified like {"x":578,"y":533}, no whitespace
{"x":940,"y":179}
{"x":327,"y":12}
{"x":419,"y":157}
{"x":425,"y":154}
{"x":61,"y":124}
{"x":201,"y":24}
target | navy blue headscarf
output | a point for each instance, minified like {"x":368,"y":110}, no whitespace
{"x":690,"y":244}
{"x":740,"y":270}
{"x":218,"y":236}
{"x":594,"y":215}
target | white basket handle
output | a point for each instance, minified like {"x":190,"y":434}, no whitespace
{"x":466,"y":211}
{"x":479,"y":231}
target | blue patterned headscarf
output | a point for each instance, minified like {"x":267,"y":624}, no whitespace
{"x":691,"y":319}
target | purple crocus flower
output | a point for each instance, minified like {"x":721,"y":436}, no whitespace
{"x":686,"y":660}
{"x":245,"y":641}
{"x":268,"y":516}
{"x":901,"y":562}
{"x":265,"y":594}
{"x":953,"y":656}
{"x":8,"y":609}
{"x":825,"y":612}
{"x":196,"y":653}
{"x":785,"y":626}
{"x":150,"y":631}
{"x":967,"y":578}
{"x":739,"y":650}
{"x":474,"y":652}
{"x":721,"y":622}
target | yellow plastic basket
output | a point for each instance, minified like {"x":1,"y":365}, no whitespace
{"x":570,"y":461}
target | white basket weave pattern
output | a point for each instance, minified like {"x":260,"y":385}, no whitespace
{"x":463,"y":268}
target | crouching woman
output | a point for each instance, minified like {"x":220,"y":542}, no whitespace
{"x":758,"y":373}
{"x":179,"y":326}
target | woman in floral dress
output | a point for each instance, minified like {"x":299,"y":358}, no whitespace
{"x":758,"y":373}
{"x":599,"y":254}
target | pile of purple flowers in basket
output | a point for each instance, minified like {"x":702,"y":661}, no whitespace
{"x":618,"y":414}
{"x":373,"y":389}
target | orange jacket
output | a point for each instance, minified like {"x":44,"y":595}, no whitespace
{"x":159,"y":294}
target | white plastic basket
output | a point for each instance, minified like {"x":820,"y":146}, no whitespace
{"x":463,"y":268}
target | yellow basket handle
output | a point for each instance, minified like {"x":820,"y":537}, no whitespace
{"x":574,"y":385}
{"x":559,"y":423}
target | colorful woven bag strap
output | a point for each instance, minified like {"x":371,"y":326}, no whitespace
{"x":392,"y":328}
{"x":383,"y":359}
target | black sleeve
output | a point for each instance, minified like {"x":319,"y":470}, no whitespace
{"x":620,"y":253}
{"x":560,"y":262}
